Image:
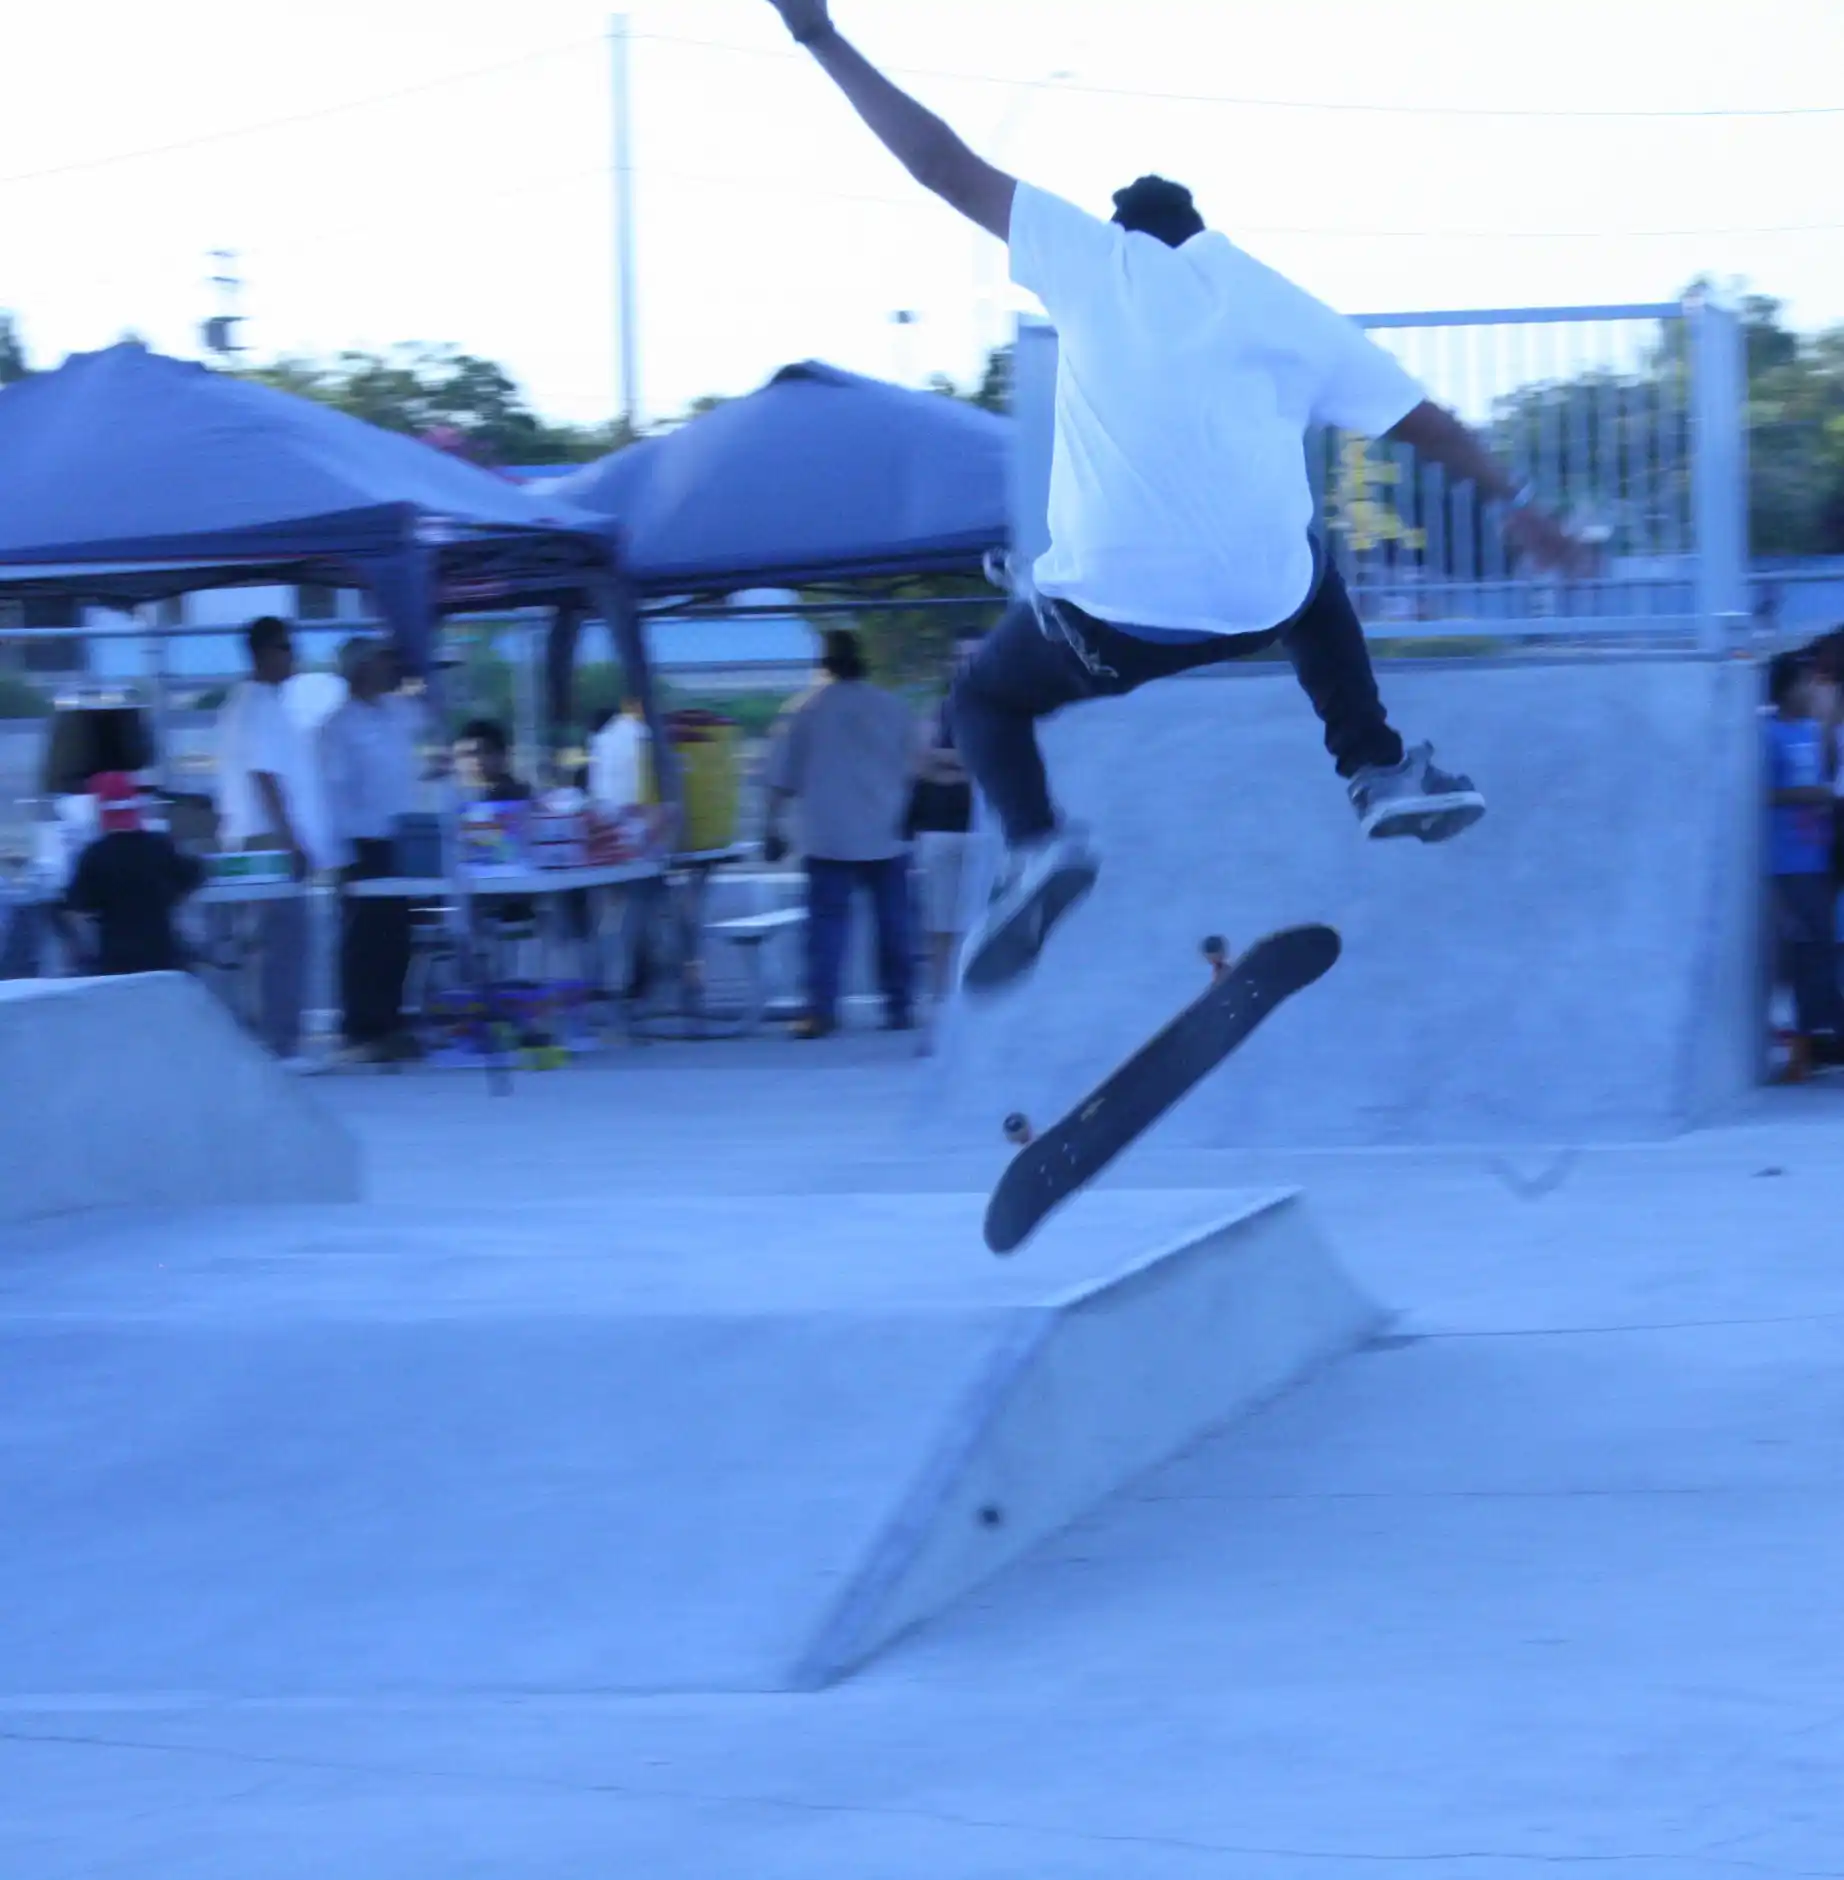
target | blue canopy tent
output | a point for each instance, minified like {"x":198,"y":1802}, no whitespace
{"x":128,"y":477}
{"x":820,"y":476}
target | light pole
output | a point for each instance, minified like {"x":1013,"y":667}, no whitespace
{"x":626,"y":292}
{"x":904,"y":320}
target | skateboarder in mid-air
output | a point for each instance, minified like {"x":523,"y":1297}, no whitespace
{"x":1180,"y":507}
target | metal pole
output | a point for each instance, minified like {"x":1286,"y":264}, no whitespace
{"x":527,"y":650}
{"x":626,"y":316}
{"x":1719,"y":471}
{"x":149,"y":619}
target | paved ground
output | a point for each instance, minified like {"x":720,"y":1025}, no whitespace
{"x":1549,"y":1583}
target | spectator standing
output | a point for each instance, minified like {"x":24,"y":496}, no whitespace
{"x":368,"y":757}
{"x":130,"y":879}
{"x":1828,"y":664}
{"x":269,"y":797}
{"x":1804,"y":899}
{"x":940,"y":824}
{"x":846,"y":756}
{"x":617,"y":759}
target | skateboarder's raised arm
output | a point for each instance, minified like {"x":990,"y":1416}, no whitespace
{"x":931,"y":152}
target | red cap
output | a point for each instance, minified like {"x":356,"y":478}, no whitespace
{"x":118,"y":796}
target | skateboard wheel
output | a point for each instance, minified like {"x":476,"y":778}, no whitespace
{"x":1216,"y":950}
{"x":1018,"y":1128}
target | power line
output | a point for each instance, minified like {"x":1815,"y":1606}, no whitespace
{"x":349,"y":106}
{"x":920,"y":201}
{"x":319,"y":113}
{"x":1549,"y":234}
{"x":1278,"y":104}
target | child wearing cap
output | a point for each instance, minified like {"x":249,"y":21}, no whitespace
{"x":130,"y":879}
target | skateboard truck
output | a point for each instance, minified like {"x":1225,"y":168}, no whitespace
{"x":1216,"y":951}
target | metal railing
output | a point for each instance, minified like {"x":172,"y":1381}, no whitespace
{"x":1629,"y":421}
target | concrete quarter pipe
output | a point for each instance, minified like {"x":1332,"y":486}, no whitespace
{"x":1582,"y":964}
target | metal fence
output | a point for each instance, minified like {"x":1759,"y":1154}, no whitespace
{"x":1628,"y":420}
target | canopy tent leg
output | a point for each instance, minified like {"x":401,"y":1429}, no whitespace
{"x":405,"y":588}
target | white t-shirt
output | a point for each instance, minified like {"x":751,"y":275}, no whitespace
{"x":615,"y":772}
{"x":368,"y":763}
{"x":256,"y":732}
{"x":1187,"y":380}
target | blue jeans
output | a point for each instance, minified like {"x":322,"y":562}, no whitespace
{"x":1028,"y":667}
{"x":282,"y":972}
{"x":829,"y":910}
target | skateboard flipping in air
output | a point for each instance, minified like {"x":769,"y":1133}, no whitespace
{"x":1049,"y":1169}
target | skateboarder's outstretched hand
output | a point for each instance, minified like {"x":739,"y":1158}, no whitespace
{"x":807,"y":20}
{"x":1548,"y":543}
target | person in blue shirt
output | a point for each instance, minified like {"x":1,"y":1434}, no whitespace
{"x":1799,"y":858}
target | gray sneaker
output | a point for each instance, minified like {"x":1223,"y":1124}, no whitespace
{"x":1042,"y":881}
{"x":1414,"y":798}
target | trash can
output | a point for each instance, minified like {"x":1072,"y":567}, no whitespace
{"x":707,"y":744}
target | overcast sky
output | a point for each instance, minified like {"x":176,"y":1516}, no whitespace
{"x":441,"y":169}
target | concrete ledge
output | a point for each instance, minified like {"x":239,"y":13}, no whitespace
{"x":674,"y":1445}
{"x":143,"y":1092}
{"x":1099,"y":1387}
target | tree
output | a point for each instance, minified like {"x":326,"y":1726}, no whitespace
{"x":1636,"y":428}
{"x":468,"y":405}
{"x":1620,"y":444}
{"x":1796,"y":448}
{"x":994,"y":391}
{"x":13,"y":365}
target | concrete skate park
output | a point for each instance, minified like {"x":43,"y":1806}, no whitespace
{"x":1420,"y":1453}
{"x":651,"y":1471}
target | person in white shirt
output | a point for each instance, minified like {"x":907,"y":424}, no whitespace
{"x":269,"y":797}
{"x":1180,"y":506}
{"x":617,"y":759}
{"x":368,"y":757}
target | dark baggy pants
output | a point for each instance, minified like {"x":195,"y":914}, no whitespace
{"x":374,"y":950}
{"x":829,"y":906}
{"x":1805,"y":921}
{"x":1047,"y":654}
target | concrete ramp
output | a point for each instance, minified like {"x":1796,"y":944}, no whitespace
{"x":143,"y":1092}
{"x":732,"y":1445}
{"x":1583,"y":963}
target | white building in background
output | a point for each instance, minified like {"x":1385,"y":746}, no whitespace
{"x":200,"y":645}
{"x":762,"y":653}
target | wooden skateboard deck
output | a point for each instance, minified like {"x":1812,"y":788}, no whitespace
{"x":1050,"y":1169}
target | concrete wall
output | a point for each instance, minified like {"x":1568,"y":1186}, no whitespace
{"x":1583,"y":963}
{"x":142,"y":1092}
